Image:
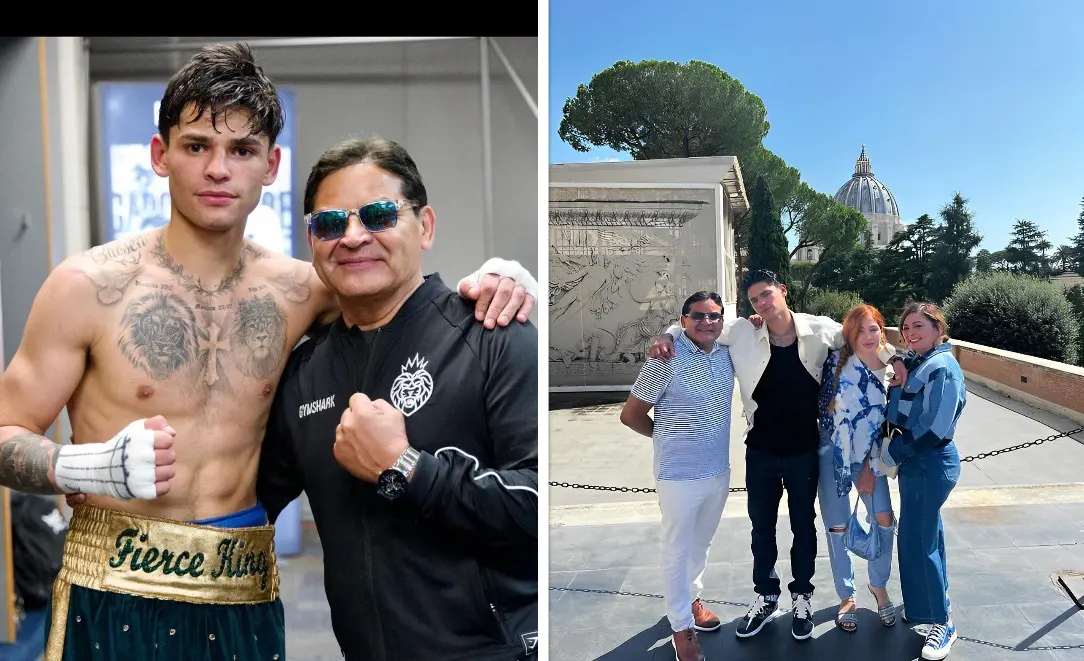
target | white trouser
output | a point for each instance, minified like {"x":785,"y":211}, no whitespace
{"x":691,"y":510}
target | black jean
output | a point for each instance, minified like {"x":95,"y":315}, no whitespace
{"x":766,"y":476}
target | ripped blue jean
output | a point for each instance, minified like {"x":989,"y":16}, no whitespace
{"x":836,"y":512}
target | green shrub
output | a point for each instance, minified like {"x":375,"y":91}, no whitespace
{"x":832,"y":304}
{"x":799,"y":273}
{"x":1075,"y":294}
{"x":1015,"y":313}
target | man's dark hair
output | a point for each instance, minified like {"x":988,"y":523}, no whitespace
{"x":221,"y":78}
{"x":701,"y":296}
{"x":760,"y":275}
{"x":384,"y":154}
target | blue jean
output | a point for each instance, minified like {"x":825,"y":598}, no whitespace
{"x":926,"y":480}
{"x":836,"y":512}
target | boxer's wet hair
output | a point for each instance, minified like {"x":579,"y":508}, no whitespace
{"x":218,"y":79}
{"x":384,"y":154}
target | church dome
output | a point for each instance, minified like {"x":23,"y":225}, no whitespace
{"x":865,"y":193}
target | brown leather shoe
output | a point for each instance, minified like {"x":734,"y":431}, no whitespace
{"x":687,"y":646}
{"x":704,"y":619}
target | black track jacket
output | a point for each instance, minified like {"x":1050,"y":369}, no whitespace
{"x":450,"y":570}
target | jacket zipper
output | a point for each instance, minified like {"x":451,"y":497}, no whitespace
{"x":370,"y":362}
{"x":500,"y":623}
{"x":368,"y":547}
{"x":487,"y":590}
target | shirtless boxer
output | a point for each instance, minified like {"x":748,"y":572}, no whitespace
{"x":166,"y":349}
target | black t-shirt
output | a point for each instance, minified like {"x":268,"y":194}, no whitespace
{"x":785,"y":422}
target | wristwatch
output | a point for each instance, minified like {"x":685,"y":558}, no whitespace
{"x":393,"y":482}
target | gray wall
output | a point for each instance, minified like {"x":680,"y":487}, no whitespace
{"x":23,"y":252}
{"x":425,"y":95}
{"x":24,"y":256}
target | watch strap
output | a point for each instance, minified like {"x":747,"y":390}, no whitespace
{"x":407,"y":461}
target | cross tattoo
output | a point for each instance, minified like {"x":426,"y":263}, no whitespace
{"x":212,"y":345}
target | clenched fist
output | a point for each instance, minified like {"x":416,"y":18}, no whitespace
{"x":370,"y":437}
{"x":136,"y":463}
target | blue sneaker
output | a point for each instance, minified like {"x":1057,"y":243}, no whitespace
{"x":939,"y":641}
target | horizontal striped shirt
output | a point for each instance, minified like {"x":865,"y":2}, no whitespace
{"x":692,"y":394}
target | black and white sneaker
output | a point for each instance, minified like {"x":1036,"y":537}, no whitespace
{"x":801,"y":626}
{"x":762,"y":611}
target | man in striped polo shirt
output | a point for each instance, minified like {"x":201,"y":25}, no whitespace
{"x":691,"y":394}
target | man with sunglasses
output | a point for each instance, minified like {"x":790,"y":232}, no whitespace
{"x":691,"y":395}
{"x":411,"y":428}
{"x":778,"y":362}
{"x":166,"y":349}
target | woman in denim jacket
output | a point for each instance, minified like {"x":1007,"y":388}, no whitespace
{"x":923,"y":416}
{"x":852,"y":408}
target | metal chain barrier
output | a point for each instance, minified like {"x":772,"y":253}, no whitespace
{"x":1020,"y":649}
{"x":740,"y":605}
{"x":573,"y":485}
{"x":981,"y":455}
{"x":994,"y":453}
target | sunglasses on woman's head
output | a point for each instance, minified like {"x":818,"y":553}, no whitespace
{"x":331,"y":224}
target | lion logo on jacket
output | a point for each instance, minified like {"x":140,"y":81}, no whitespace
{"x":412,"y":388}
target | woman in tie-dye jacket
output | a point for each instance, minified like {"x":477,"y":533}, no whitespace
{"x":853,"y":400}
{"x":924,"y":413}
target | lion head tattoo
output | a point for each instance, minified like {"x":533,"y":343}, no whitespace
{"x":158,"y":334}
{"x":260,"y":336}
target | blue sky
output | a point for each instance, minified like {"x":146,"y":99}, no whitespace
{"x":985,"y":98}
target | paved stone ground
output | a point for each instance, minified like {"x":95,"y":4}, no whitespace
{"x":1001,"y":563}
{"x":588,"y":444}
{"x":1012,"y":524}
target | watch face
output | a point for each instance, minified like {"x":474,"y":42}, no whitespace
{"x":391,"y":484}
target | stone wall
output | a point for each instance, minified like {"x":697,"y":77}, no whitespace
{"x":1045,"y":384}
{"x":621,"y":262}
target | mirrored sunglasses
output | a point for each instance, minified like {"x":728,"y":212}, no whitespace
{"x":331,"y":224}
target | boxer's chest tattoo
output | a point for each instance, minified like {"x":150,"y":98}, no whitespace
{"x":292,"y":283}
{"x":166,"y":335}
{"x":158,"y":334}
{"x":176,"y":329}
{"x":118,"y":252}
{"x":114,"y":269}
{"x":193,"y":284}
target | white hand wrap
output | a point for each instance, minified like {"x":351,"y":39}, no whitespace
{"x":505,"y":268}
{"x":122,"y":467}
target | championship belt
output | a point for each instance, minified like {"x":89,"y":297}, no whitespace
{"x":112,"y":551}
